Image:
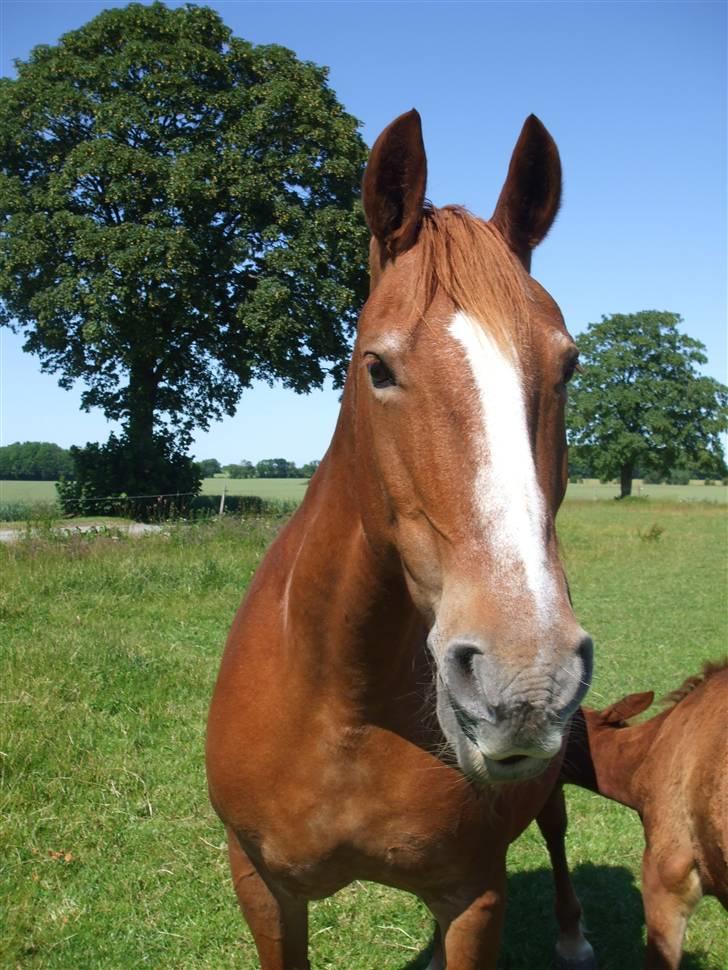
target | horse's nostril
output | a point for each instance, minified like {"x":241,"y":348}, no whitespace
{"x":463,"y":658}
{"x":462,"y":675}
{"x":585,"y":652}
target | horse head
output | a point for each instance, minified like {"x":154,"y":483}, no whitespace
{"x":460,"y":370}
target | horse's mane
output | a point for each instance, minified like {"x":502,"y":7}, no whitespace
{"x":710,"y":668}
{"x":469,"y":259}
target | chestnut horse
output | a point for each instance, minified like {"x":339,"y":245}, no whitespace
{"x":394,"y":691}
{"x":673,"y":770}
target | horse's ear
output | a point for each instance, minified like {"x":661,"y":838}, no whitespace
{"x":394,"y":184}
{"x":629,"y":706}
{"x":531,"y":196}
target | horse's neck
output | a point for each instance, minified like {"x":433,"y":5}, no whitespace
{"x":621,"y":759}
{"x":345,"y":605}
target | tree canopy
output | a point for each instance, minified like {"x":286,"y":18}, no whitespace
{"x":179,"y":215}
{"x":34,"y":461}
{"x":209,"y":467}
{"x":639,"y":399}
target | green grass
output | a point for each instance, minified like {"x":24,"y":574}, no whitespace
{"x":110,"y":855}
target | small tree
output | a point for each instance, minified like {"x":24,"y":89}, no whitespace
{"x":246,"y":469}
{"x":209,"y":467}
{"x":98,"y":469}
{"x":273,"y":468}
{"x":639,"y":399}
{"x":309,"y":468}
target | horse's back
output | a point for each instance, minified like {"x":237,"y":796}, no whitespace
{"x":691,"y":772}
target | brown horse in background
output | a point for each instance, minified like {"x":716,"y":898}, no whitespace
{"x":673,"y":770}
{"x":393,"y":696}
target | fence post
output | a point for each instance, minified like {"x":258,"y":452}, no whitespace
{"x":222,"y":502}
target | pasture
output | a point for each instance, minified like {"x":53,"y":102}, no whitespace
{"x":111,"y":855}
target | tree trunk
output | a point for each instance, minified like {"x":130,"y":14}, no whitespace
{"x":625,"y":480}
{"x":139,"y":426}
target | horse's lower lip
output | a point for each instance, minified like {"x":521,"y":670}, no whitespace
{"x":515,"y":768}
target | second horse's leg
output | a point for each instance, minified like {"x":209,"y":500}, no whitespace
{"x":670,"y":893}
{"x":573,"y":951}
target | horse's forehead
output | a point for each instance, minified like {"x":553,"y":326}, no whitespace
{"x":397,"y":317}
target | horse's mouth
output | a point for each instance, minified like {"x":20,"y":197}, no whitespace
{"x":478,"y":759}
{"x":516,"y":768}
{"x":482,"y":770}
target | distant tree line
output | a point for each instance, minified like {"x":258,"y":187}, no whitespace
{"x":35,"y":461}
{"x":267,"y":468}
{"x":47,"y":462}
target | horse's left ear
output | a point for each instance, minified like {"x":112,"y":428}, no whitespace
{"x":629,"y":706}
{"x":393,"y":190}
{"x":531,"y":196}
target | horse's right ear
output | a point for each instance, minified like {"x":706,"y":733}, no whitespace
{"x":393,"y":190}
{"x":629,"y":706}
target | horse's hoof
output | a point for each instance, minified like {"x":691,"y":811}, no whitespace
{"x":581,"y":958}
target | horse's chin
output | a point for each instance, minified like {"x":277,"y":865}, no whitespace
{"x":488,"y":771}
{"x":483,"y":770}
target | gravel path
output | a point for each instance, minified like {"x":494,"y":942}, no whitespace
{"x":134,"y":529}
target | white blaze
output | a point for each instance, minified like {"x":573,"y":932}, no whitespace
{"x":508,"y":499}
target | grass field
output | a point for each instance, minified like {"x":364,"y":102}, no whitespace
{"x":286,"y":489}
{"x":27,"y":491}
{"x":110,"y":855}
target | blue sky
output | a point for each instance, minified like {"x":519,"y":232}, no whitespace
{"x":635,"y":95}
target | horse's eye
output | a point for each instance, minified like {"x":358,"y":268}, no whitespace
{"x":379,"y":374}
{"x":571,"y":367}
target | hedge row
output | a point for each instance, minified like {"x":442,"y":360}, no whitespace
{"x":200,"y":506}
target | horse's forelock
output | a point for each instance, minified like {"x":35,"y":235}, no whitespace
{"x":469,"y":260}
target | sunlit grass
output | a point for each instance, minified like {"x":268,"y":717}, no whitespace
{"x":110,"y":855}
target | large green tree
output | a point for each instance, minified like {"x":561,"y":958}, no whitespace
{"x":639,"y":399}
{"x":179,"y":215}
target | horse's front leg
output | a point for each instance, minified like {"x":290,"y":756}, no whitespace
{"x":279,"y":924}
{"x":471,"y":924}
{"x":573,"y":951}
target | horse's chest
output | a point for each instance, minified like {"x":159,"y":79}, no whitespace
{"x":407,"y":829}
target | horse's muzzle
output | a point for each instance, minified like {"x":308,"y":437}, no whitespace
{"x":507,"y":724}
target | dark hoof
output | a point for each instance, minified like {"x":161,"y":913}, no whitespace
{"x":583,"y":960}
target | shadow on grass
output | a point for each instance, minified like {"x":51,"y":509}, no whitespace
{"x":613,"y":915}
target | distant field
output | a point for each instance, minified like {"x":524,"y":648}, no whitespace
{"x":658,"y":493}
{"x":293,"y":489}
{"x":27,"y":491}
{"x":288,"y":489}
